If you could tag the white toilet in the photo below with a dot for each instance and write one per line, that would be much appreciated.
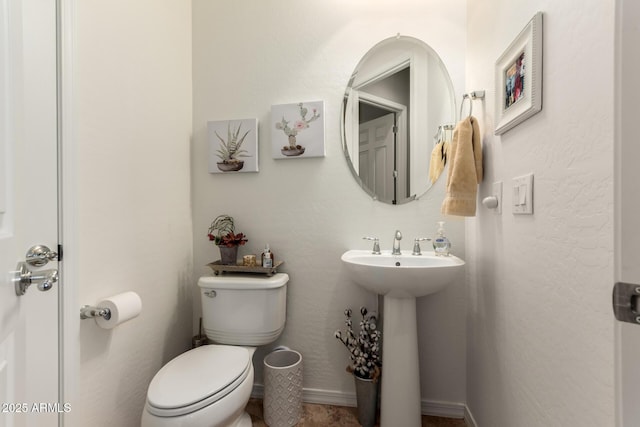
(211, 385)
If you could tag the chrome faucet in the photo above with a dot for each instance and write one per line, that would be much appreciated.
(416, 245)
(376, 245)
(396, 243)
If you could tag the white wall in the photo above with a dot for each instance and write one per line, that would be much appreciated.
(129, 197)
(540, 349)
(249, 56)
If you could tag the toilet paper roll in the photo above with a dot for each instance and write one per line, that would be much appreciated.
(123, 307)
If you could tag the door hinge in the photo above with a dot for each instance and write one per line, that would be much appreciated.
(395, 129)
(625, 302)
(59, 253)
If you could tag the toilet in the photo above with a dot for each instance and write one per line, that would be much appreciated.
(211, 385)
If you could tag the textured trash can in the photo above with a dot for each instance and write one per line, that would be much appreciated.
(282, 404)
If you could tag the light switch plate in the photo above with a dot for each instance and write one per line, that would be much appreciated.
(522, 202)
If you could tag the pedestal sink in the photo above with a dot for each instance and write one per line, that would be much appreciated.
(400, 279)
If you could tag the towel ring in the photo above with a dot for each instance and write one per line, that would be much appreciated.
(471, 96)
(466, 96)
(438, 135)
(441, 133)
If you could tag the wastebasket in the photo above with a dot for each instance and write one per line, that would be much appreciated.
(282, 403)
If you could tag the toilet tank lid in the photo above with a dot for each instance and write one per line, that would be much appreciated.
(244, 281)
(196, 375)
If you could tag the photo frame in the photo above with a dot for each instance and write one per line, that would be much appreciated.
(519, 78)
(233, 145)
(297, 130)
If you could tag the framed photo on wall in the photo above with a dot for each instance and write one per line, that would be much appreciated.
(519, 78)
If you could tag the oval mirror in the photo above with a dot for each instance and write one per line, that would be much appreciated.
(398, 101)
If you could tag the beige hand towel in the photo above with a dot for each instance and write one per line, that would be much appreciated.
(465, 169)
(438, 160)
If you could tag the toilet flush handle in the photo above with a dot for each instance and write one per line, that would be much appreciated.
(210, 293)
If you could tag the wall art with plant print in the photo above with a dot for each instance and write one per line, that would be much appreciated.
(233, 145)
(297, 130)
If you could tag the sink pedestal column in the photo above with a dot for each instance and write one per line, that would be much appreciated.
(400, 401)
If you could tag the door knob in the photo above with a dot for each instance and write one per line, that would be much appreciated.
(23, 278)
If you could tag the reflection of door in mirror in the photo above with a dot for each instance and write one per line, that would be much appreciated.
(396, 170)
(376, 154)
(366, 108)
(381, 96)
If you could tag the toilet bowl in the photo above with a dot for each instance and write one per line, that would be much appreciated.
(204, 387)
(210, 386)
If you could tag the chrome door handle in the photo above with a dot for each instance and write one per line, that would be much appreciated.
(23, 278)
(40, 255)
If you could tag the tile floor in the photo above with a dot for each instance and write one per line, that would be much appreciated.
(328, 416)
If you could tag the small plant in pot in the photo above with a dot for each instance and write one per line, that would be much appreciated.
(222, 233)
(365, 362)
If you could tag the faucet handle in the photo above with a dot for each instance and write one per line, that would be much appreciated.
(416, 245)
(376, 244)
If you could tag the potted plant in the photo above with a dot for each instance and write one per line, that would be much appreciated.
(231, 149)
(365, 362)
(222, 233)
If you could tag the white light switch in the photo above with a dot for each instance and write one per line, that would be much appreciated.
(522, 192)
(523, 195)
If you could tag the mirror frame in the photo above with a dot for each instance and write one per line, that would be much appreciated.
(417, 128)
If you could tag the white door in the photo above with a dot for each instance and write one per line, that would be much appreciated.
(627, 208)
(377, 156)
(28, 213)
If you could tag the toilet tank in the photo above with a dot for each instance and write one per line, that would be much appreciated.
(243, 309)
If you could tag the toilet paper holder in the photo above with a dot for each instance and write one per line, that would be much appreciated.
(114, 310)
(90, 312)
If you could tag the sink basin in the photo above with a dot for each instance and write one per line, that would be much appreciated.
(400, 279)
(401, 276)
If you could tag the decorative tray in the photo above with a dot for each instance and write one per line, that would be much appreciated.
(219, 268)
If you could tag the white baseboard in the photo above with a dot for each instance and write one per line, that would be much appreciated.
(443, 409)
(338, 398)
(468, 417)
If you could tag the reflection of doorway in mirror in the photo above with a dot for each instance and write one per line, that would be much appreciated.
(397, 170)
(376, 153)
(387, 92)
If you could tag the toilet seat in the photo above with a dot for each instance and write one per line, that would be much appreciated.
(197, 378)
